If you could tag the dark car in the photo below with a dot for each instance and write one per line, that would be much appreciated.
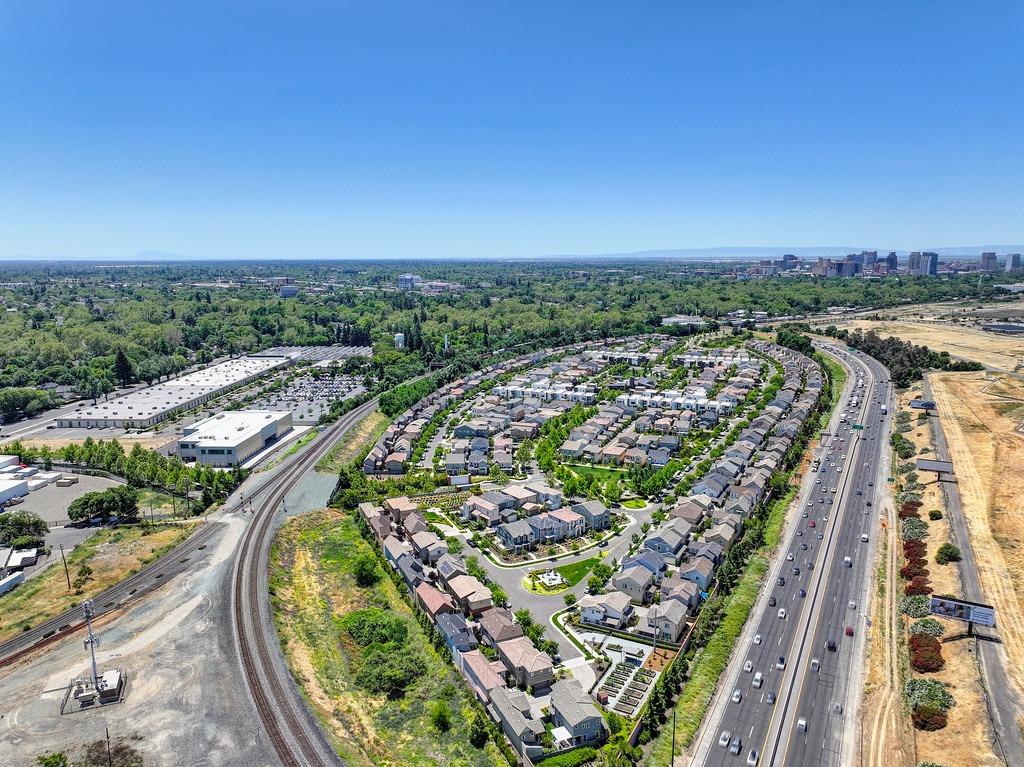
(802, 593)
(831, 645)
(781, 581)
(771, 601)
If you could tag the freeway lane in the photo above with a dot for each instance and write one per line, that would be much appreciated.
(807, 552)
(826, 698)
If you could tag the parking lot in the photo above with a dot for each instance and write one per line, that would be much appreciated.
(51, 503)
(309, 396)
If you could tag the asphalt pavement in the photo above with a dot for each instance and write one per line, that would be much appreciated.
(796, 615)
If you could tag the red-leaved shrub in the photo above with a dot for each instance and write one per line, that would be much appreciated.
(929, 718)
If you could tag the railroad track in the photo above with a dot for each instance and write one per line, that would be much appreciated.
(132, 588)
(295, 734)
(117, 596)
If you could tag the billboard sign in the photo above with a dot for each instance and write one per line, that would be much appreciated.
(961, 610)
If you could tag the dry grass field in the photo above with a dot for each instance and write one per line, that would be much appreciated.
(990, 349)
(982, 415)
(968, 738)
(105, 558)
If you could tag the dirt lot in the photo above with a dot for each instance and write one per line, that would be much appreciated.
(968, 738)
(990, 349)
(981, 416)
(148, 440)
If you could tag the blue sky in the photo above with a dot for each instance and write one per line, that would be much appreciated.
(474, 130)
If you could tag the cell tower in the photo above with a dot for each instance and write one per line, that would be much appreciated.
(91, 641)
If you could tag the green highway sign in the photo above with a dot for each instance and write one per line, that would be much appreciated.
(858, 427)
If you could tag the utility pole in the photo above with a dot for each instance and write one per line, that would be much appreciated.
(66, 573)
(110, 762)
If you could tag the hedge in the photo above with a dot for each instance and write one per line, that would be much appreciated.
(570, 758)
(928, 692)
(915, 606)
(925, 653)
(929, 719)
(928, 626)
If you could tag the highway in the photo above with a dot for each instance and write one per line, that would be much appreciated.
(806, 601)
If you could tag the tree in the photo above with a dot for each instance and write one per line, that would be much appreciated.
(478, 733)
(441, 715)
(123, 370)
(947, 553)
(23, 528)
(455, 546)
(365, 569)
(569, 599)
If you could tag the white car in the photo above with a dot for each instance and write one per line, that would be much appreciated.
(724, 738)
(782, 613)
(748, 666)
(757, 639)
(789, 557)
(852, 605)
(737, 696)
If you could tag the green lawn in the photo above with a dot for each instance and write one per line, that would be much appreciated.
(634, 503)
(577, 571)
(601, 472)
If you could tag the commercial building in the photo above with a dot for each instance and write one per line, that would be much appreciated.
(1012, 262)
(146, 407)
(232, 437)
(988, 261)
(408, 281)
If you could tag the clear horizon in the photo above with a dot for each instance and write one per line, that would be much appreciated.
(471, 131)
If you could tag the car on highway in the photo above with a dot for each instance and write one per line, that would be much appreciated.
(815, 665)
(758, 680)
(780, 664)
(737, 695)
(849, 631)
(830, 645)
(748, 666)
(852, 605)
(771, 601)
(812, 524)
(752, 758)
(757, 639)
(724, 738)
(799, 532)
(736, 745)
(801, 593)
(789, 557)
(782, 613)
(820, 536)
(803, 546)
(796, 571)
(810, 565)
(770, 698)
(801, 724)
